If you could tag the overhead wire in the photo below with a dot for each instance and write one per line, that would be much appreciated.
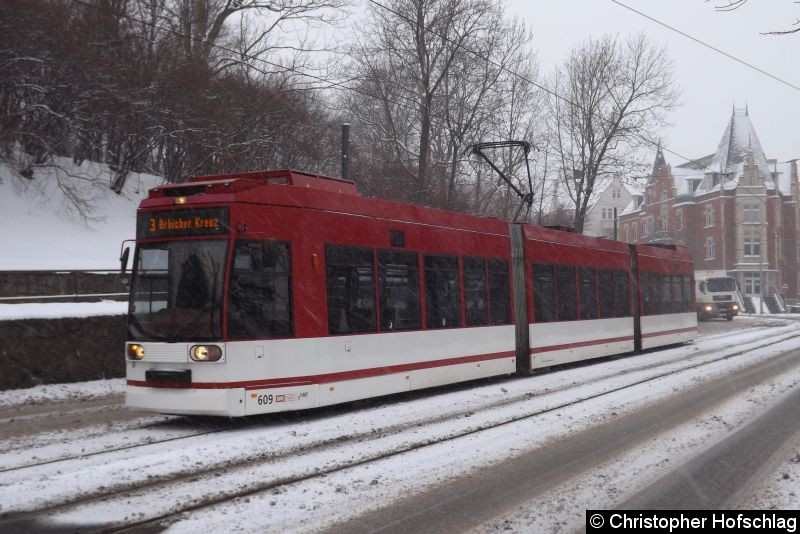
(709, 46)
(539, 86)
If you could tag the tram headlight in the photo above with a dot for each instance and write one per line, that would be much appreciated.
(205, 353)
(735, 307)
(135, 351)
(709, 308)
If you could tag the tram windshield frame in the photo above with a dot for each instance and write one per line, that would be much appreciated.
(177, 290)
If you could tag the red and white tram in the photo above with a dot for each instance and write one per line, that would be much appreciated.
(274, 291)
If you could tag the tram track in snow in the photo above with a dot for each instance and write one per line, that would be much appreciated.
(380, 443)
(128, 431)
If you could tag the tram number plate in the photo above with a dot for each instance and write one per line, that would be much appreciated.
(277, 398)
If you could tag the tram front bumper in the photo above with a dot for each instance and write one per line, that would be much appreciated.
(186, 401)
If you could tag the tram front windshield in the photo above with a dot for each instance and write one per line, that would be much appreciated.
(177, 291)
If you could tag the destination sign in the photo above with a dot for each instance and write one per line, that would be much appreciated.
(187, 222)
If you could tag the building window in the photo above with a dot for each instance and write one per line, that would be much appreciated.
(615, 193)
(752, 284)
(663, 223)
(635, 228)
(752, 213)
(752, 244)
(648, 227)
(709, 215)
(679, 219)
(711, 248)
(608, 214)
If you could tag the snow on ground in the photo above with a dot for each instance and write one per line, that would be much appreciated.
(622, 477)
(319, 502)
(62, 392)
(781, 489)
(42, 230)
(61, 309)
(316, 502)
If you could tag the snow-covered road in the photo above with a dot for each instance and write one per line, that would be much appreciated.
(313, 470)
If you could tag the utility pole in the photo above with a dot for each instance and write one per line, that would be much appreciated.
(345, 168)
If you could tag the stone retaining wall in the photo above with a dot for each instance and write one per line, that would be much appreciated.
(52, 351)
(36, 283)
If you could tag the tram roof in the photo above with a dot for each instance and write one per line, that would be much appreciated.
(326, 193)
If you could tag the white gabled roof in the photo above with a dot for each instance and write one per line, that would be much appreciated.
(739, 138)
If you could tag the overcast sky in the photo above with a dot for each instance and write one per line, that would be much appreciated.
(711, 83)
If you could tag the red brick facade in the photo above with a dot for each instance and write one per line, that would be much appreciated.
(742, 220)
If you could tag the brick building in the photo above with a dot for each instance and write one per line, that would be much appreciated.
(735, 210)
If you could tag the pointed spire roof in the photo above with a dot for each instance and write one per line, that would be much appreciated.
(739, 138)
(657, 164)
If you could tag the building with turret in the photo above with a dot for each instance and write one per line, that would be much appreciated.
(735, 209)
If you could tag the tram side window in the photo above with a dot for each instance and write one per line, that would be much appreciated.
(644, 290)
(677, 298)
(399, 290)
(544, 293)
(350, 278)
(666, 293)
(567, 298)
(499, 300)
(622, 294)
(687, 293)
(588, 303)
(477, 309)
(605, 281)
(655, 303)
(261, 290)
(442, 292)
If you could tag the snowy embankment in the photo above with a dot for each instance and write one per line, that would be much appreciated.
(62, 309)
(43, 229)
(54, 393)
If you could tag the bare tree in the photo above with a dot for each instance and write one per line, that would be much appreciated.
(609, 99)
(732, 5)
(518, 117)
(416, 43)
(436, 76)
(479, 91)
(200, 25)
